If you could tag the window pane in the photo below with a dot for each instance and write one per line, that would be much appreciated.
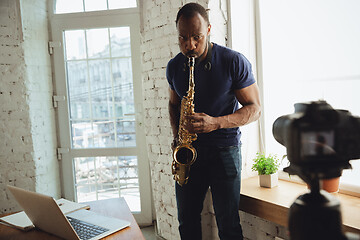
(101, 88)
(85, 182)
(123, 87)
(69, 6)
(82, 134)
(95, 5)
(98, 43)
(104, 133)
(78, 89)
(73, 6)
(75, 44)
(108, 177)
(116, 4)
(125, 130)
(120, 42)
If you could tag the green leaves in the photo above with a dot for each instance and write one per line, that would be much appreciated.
(265, 165)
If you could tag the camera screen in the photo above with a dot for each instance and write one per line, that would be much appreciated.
(317, 143)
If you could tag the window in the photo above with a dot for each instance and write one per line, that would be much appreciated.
(97, 73)
(73, 6)
(309, 51)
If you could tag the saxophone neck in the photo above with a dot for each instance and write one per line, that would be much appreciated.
(191, 76)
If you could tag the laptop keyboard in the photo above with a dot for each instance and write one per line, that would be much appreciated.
(85, 230)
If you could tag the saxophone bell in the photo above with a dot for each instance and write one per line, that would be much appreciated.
(184, 156)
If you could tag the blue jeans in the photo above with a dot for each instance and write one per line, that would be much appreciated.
(220, 169)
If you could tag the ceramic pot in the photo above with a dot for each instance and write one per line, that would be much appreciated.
(268, 181)
(330, 185)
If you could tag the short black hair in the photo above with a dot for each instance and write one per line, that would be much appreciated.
(189, 10)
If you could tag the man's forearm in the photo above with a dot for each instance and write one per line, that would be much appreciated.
(241, 117)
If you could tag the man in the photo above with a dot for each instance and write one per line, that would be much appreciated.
(223, 79)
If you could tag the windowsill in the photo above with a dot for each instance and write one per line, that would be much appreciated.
(273, 204)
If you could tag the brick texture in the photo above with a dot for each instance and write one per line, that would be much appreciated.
(39, 90)
(27, 142)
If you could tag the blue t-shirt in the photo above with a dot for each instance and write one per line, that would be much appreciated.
(214, 88)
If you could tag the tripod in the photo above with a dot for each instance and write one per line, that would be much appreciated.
(315, 215)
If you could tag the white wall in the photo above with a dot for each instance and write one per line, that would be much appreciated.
(40, 91)
(27, 127)
(16, 140)
(218, 17)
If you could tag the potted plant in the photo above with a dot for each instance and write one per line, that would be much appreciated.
(330, 185)
(267, 168)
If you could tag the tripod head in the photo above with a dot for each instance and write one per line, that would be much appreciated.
(315, 215)
(320, 141)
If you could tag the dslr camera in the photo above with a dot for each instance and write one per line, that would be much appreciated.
(320, 141)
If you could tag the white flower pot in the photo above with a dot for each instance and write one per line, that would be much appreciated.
(268, 181)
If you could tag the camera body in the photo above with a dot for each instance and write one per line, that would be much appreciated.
(319, 139)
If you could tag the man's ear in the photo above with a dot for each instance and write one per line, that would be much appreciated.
(208, 30)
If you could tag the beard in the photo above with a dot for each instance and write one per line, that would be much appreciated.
(196, 54)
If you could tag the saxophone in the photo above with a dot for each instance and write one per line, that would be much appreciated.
(184, 154)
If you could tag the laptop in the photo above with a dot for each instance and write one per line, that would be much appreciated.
(46, 215)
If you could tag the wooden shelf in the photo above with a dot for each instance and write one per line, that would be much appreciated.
(273, 203)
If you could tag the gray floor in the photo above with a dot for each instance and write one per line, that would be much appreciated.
(149, 233)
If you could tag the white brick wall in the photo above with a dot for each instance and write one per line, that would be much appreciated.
(218, 20)
(15, 140)
(40, 91)
(255, 228)
(27, 142)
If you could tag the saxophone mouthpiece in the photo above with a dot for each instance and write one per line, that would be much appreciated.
(191, 61)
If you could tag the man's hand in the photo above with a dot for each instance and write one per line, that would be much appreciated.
(201, 123)
(249, 112)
